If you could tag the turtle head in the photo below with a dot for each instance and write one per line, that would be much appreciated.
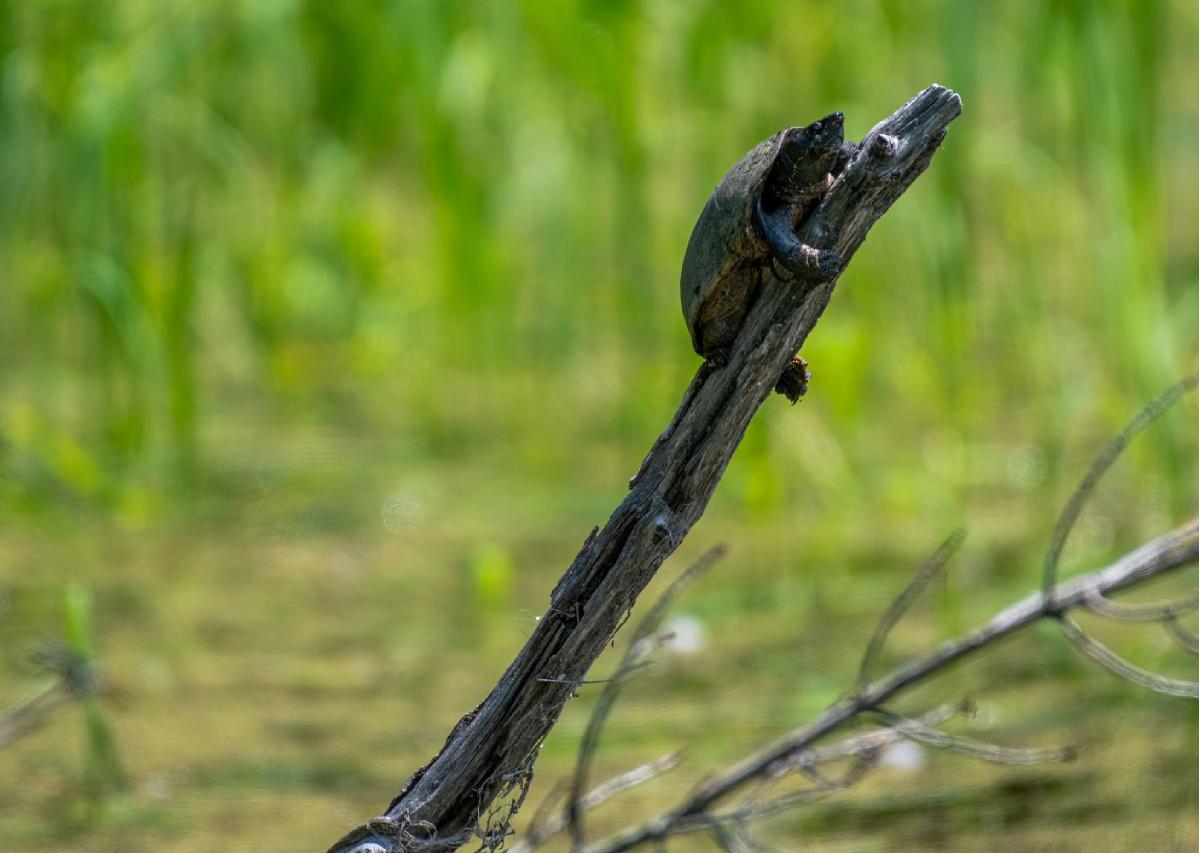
(823, 134)
(805, 159)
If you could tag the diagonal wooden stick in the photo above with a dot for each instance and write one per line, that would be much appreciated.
(490, 752)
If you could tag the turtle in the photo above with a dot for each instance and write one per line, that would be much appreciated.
(748, 227)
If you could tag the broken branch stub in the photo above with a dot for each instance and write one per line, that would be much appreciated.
(493, 747)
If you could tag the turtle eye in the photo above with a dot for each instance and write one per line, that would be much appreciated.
(815, 127)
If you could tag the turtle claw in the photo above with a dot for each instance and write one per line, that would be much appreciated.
(829, 262)
(718, 357)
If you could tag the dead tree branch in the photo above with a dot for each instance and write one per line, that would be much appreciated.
(1053, 602)
(1172, 550)
(491, 750)
(75, 679)
(796, 753)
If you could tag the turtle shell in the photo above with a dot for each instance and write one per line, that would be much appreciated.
(725, 256)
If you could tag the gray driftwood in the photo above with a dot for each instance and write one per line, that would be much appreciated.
(1170, 551)
(490, 752)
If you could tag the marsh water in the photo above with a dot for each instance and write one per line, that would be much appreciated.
(328, 331)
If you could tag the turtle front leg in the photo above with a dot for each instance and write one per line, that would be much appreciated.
(809, 263)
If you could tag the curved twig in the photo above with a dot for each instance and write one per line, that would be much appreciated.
(978, 749)
(926, 573)
(546, 824)
(1096, 651)
(872, 741)
(1187, 640)
(1070, 514)
(1141, 613)
(632, 660)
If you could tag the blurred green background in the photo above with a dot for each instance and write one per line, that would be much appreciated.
(328, 329)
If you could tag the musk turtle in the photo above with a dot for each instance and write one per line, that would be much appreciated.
(749, 226)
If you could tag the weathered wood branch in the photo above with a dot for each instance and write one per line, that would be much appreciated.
(78, 679)
(1167, 552)
(491, 750)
